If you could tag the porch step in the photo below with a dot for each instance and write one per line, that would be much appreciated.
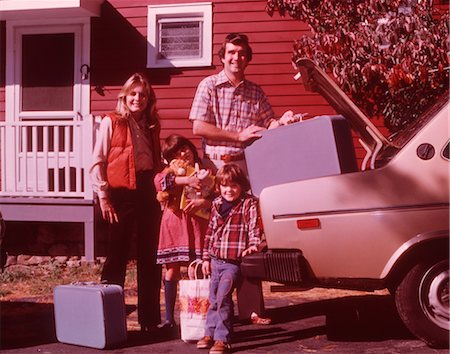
(53, 210)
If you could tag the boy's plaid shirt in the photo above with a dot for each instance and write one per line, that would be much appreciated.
(227, 239)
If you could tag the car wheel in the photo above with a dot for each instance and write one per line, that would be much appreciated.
(422, 300)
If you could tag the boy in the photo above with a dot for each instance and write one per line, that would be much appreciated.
(233, 232)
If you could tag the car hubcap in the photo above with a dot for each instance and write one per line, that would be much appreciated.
(434, 294)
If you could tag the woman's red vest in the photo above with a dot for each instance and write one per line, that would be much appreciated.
(120, 168)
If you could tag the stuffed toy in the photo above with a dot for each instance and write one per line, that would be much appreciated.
(207, 183)
(177, 167)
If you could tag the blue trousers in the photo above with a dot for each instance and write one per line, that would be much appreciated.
(219, 319)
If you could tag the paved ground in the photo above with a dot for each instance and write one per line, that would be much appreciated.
(318, 321)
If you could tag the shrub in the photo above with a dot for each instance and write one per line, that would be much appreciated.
(389, 56)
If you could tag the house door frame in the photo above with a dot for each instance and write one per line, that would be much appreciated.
(15, 30)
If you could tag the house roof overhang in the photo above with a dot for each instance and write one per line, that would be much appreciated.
(31, 9)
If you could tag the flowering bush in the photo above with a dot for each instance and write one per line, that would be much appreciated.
(389, 56)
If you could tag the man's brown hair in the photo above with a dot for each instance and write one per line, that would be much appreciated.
(236, 39)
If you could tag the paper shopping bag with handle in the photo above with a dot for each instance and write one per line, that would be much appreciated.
(194, 304)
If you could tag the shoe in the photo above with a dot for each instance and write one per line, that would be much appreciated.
(260, 320)
(205, 343)
(149, 329)
(220, 347)
(166, 325)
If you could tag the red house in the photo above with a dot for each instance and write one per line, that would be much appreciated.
(62, 64)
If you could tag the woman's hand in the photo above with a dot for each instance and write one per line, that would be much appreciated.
(206, 268)
(108, 212)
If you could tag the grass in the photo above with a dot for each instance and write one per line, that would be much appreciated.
(21, 281)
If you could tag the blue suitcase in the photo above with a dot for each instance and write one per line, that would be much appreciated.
(90, 315)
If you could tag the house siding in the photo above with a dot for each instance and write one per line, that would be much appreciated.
(271, 39)
(119, 48)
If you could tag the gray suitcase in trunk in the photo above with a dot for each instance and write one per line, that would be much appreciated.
(317, 147)
(91, 315)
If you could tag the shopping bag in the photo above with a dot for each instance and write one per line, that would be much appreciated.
(194, 305)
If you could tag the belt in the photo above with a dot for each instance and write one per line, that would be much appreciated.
(223, 261)
(226, 157)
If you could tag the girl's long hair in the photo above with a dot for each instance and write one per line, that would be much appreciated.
(175, 142)
(150, 112)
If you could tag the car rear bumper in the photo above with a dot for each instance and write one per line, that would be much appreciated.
(281, 266)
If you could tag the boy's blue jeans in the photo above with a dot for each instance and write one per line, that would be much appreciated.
(219, 319)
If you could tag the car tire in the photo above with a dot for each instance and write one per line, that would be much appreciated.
(422, 301)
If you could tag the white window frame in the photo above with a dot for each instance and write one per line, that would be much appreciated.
(181, 12)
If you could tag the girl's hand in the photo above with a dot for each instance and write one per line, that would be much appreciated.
(206, 268)
(196, 204)
(250, 250)
(191, 181)
(194, 182)
(108, 212)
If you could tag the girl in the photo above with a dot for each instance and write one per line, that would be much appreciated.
(182, 230)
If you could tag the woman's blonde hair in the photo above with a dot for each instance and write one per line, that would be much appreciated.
(138, 79)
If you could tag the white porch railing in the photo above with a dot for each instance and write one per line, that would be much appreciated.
(47, 158)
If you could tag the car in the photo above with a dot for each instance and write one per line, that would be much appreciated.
(383, 226)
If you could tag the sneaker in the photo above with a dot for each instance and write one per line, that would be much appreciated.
(166, 325)
(220, 347)
(260, 320)
(205, 343)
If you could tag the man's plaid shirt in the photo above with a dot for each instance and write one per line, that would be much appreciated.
(227, 238)
(230, 108)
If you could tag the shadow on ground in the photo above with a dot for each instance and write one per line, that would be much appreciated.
(350, 319)
(358, 318)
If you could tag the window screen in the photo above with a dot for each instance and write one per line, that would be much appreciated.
(180, 39)
(47, 72)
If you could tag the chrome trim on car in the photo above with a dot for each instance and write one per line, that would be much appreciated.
(361, 210)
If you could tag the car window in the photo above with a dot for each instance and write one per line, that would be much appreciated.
(400, 138)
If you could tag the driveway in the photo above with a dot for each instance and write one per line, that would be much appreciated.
(315, 321)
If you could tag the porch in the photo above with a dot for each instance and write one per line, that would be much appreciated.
(44, 173)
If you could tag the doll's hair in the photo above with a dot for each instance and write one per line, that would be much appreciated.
(173, 144)
(232, 173)
(236, 39)
(138, 79)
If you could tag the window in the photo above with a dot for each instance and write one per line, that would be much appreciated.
(47, 72)
(179, 35)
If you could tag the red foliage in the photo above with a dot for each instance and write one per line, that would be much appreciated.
(390, 56)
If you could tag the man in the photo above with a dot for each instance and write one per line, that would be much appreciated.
(229, 112)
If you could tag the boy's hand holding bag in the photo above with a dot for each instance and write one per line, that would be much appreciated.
(194, 304)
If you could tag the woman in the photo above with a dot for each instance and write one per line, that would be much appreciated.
(125, 159)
